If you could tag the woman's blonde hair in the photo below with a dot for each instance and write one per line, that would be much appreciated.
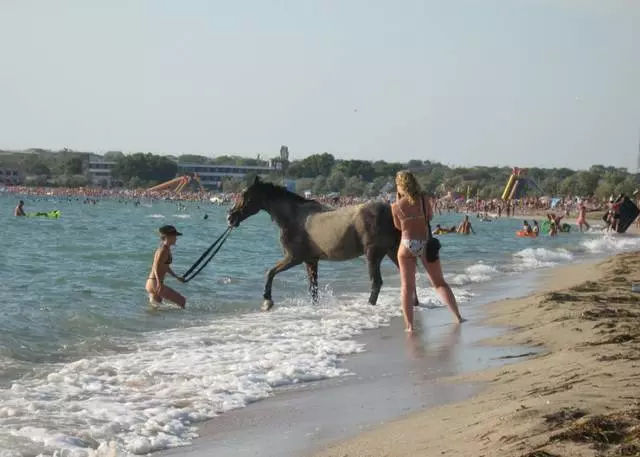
(408, 182)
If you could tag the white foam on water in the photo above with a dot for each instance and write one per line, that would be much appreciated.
(182, 216)
(156, 216)
(531, 258)
(474, 274)
(611, 243)
(154, 397)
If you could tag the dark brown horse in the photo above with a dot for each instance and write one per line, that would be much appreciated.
(310, 231)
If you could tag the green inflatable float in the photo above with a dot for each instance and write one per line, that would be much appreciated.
(55, 214)
(545, 226)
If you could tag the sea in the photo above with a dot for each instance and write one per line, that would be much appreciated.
(87, 366)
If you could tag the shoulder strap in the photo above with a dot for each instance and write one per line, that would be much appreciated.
(404, 216)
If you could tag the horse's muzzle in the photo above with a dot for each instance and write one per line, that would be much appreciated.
(233, 220)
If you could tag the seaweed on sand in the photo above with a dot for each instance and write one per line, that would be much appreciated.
(540, 454)
(587, 286)
(560, 297)
(604, 430)
(559, 418)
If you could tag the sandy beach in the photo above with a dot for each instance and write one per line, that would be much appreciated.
(578, 397)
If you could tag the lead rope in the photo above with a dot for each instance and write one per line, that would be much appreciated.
(211, 252)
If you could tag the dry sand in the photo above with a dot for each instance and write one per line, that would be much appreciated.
(579, 397)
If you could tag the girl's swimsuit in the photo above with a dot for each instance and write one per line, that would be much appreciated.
(167, 262)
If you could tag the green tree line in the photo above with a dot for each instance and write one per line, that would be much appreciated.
(324, 173)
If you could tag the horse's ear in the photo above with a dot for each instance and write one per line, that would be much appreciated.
(256, 180)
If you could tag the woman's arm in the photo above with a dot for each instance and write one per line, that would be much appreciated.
(170, 271)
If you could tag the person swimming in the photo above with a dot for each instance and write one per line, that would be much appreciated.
(439, 230)
(536, 228)
(161, 266)
(19, 211)
(527, 228)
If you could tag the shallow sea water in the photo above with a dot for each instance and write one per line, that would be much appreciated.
(85, 362)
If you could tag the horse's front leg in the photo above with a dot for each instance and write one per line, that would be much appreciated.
(312, 274)
(281, 266)
(373, 261)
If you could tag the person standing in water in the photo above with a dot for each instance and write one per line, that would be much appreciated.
(465, 227)
(412, 212)
(582, 217)
(161, 266)
(19, 211)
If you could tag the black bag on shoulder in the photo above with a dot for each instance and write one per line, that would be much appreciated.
(432, 250)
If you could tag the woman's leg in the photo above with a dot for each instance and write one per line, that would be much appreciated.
(407, 265)
(150, 287)
(173, 296)
(434, 271)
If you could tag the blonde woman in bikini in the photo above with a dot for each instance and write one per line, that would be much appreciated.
(161, 266)
(412, 212)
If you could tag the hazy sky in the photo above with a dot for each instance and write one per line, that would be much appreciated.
(511, 82)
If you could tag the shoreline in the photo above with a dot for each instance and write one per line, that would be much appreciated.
(394, 376)
(577, 397)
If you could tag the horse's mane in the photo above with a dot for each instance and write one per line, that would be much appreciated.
(276, 192)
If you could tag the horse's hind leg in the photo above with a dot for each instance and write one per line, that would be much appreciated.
(393, 255)
(374, 260)
(281, 266)
(312, 273)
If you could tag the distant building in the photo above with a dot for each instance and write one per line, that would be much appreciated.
(10, 176)
(211, 176)
(99, 170)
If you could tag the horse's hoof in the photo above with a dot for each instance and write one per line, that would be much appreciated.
(267, 305)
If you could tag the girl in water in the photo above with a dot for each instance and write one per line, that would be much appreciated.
(161, 266)
(582, 217)
(412, 212)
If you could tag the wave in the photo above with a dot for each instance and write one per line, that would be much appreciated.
(611, 243)
(156, 216)
(474, 274)
(531, 258)
(153, 398)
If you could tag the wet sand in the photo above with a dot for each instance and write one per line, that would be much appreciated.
(579, 397)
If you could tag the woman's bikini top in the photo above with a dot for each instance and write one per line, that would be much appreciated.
(421, 216)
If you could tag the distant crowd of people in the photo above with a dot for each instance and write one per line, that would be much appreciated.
(528, 206)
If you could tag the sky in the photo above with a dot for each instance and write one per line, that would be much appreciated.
(464, 82)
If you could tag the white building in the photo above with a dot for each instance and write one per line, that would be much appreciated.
(99, 170)
(211, 176)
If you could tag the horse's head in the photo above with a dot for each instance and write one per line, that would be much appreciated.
(248, 204)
